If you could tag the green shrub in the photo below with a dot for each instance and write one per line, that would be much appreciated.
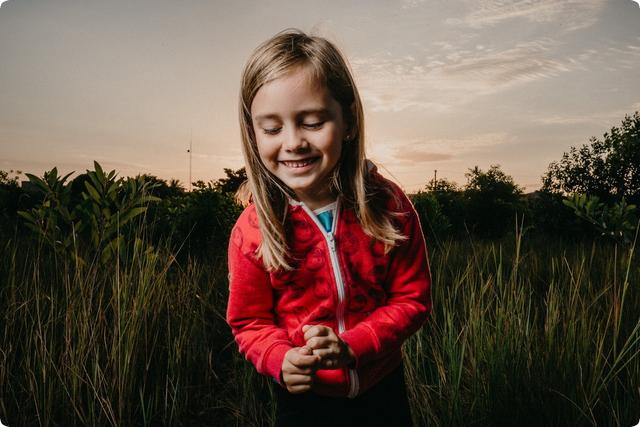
(100, 221)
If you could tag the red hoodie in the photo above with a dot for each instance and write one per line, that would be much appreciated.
(342, 279)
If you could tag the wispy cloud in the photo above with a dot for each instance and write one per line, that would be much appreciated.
(524, 62)
(461, 145)
(453, 77)
(416, 155)
(629, 56)
(603, 117)
(410, 4)
(406, 160)
(471, 61)
(575, 14)
(411, 152)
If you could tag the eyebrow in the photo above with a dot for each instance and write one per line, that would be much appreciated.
(319, 111)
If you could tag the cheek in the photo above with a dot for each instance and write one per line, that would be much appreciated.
(266, 151)
(336, 146)
(330, 142)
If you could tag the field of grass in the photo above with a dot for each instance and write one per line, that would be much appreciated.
(530, 332)
(525, 331)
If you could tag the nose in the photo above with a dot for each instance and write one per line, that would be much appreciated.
(294, 140)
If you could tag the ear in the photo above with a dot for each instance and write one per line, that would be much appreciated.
(352, 109)
(350, 121)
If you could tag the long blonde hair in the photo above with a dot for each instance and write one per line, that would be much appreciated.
(272, 59)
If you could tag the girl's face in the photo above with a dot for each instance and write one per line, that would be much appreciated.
(299, 128)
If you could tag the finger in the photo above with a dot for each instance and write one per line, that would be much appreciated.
(297, 379)
(290, 369)
(303, 361)
(306, 350)
(320, 342)
(298, 389)
(325, 353)
(300, 356)
(316, 330)
(330, 363)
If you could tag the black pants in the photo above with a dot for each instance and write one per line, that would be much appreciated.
(385, 404)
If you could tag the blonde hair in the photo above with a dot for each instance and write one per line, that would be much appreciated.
(274, 58)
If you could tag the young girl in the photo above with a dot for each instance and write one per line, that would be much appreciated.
(328, 270)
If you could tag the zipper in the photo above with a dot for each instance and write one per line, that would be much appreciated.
(337, 273)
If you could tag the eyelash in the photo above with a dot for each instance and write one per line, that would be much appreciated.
(271, 131)
(313, 126)
(310, 126)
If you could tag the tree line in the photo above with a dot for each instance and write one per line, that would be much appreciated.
(591, 192)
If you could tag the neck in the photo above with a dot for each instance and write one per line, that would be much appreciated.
(316, 201)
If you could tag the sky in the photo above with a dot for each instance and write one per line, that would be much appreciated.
(446, 84)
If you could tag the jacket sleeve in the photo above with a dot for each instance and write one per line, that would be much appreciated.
(250, 314)
(408, 297)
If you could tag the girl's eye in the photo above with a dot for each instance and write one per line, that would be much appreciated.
(271, 131)
(313, 126)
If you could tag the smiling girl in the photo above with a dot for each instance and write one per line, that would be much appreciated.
(328, 270)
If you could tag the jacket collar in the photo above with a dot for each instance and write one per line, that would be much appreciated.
(296, 203)
(371, 168)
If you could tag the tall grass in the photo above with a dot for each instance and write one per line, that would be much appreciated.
(127, 343)
(529, 332)
(524, 331)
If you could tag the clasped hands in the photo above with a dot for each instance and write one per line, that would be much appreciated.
(323, 350)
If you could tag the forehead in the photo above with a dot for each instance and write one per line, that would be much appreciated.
(297, 89)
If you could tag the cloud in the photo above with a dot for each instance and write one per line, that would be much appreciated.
(416, 155)
(407, 152)
(574, 14)
(628, 56)
(410, 4)
(467, 144)
(524, 62)
(473, 58)
(605, 118)
(451, 77)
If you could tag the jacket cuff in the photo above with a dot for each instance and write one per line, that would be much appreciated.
(364, 343)
(273, 357)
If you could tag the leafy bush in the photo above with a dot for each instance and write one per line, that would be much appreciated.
(608, 168)
(492, 200)
(198, 223)
(97, 224)
(549, 216)
(452, 204)
(435, 224)
(618, 221)
(10, 195)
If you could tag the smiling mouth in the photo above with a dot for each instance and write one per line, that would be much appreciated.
(299, 163)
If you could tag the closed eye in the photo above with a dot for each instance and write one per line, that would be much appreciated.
(313, 126)
(271, 131)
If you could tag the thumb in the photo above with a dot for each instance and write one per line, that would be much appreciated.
(305, 328)
(306, 350)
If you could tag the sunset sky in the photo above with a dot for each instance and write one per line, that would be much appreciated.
(447, 84)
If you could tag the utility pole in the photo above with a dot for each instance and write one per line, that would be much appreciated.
(435, 178)
(189, 151)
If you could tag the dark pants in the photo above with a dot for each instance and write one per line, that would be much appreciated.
(385, 404)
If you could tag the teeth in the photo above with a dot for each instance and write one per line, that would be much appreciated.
(298, 164)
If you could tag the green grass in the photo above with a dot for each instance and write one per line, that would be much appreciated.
(116, 344)
(529, 332)
(524, 331)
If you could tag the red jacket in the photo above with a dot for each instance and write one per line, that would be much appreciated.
(342, 280)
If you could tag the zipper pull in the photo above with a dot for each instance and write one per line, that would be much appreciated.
(332, 242)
